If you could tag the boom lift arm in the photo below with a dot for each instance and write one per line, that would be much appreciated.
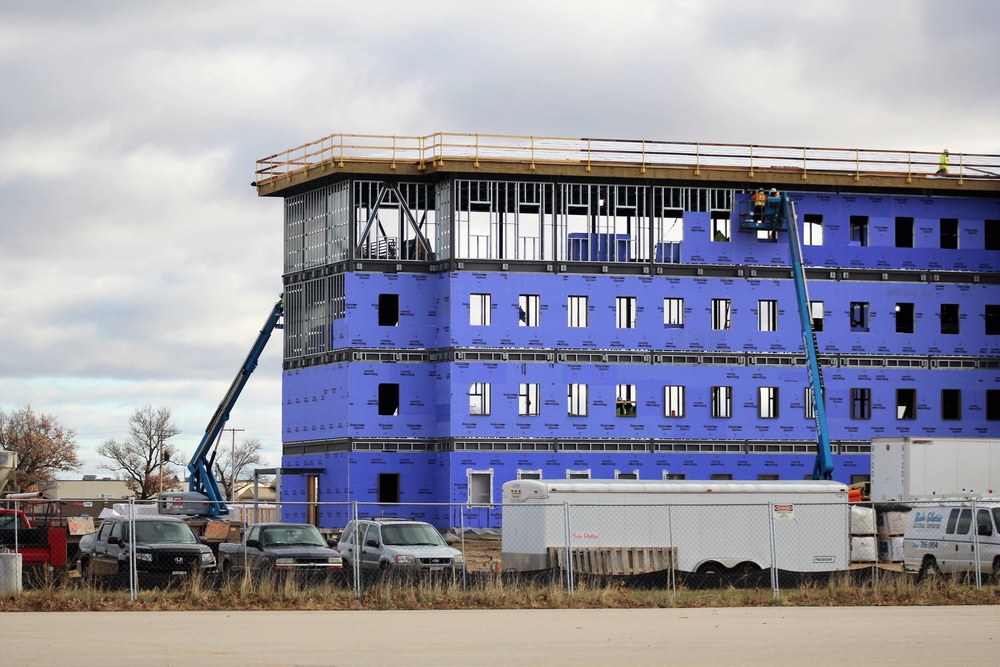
(202, 479)
(779, 215)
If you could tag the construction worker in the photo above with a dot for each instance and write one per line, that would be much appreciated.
(943, 164)
(759, 199)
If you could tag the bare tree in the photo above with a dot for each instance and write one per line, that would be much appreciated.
(43, 446)
(246, 453)
(145, 455)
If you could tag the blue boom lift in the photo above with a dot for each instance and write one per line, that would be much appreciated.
(778, 214)
(205, 498)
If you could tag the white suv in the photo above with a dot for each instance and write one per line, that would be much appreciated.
(397, 544)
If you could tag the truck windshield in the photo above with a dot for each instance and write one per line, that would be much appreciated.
(289, 535)
(152, 532)
(411, 535)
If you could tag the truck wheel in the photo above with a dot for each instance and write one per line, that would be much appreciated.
(929, 568)
(85, 573)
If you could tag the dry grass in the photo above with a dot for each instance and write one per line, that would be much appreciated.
(490, 592)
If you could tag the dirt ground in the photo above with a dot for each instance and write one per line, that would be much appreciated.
(482, 551)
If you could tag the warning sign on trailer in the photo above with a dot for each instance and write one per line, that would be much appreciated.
(784, 511)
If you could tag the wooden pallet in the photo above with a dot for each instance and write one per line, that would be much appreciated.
(615, 560)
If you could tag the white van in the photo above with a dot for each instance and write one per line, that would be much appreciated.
(943, 538)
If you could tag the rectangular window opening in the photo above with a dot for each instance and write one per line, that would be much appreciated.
(722, 402)
(904, 318)
(812, 229)
(528, 399)
(767, 315)
(859, 316)
(767, 404)
(904, 232)
(949, 233)
(722, 314)
(625, 316)
(479, 398)
(528, 310)
(577, 307)
(991, 234)
(861, 403)
(993, 404)
(674, 475)
(906, 404)
(625, 400)
(388, 487)
(388, 310)
(949, 318)
(480, 487)
(479, 310)
(388, 399)
(720, 228)
(673, 313)
(816, 310)
(673, 400)
(992, 316)
(718, 476)
(577, 400)
(859, 230)
(951, 404)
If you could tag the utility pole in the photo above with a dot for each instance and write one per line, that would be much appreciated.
(232, 457)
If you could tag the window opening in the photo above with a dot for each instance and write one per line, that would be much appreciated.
(626, 475)
(859, 230)
(720, 227)
(577, 306)
(906, 404)
(479, 398)
(904, 232)
(992, 316)
(991, 234)
(767, 315)
(984, 524)
(388, 310)
(578, 474)
(812, 229)
(479, 310)
(721, 476)
(625, 403)
(993, 404)
(673, 400)
(625, 312)
(722, 314)
(388, 487)
(768, 477)
(767, 404)
(949, 233)
(673, 313)
(949, 318)
(528, 310)
(388, 399)
(529, 474)
(816, 311)
(722, 402)
(480, 487)
(904, 318)
(810, 406)
(861, 403)
(577, 400)
(674, 475)
(951, 404)
(859, 316)
(528, 402)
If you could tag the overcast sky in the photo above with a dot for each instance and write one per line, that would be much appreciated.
(137, 264)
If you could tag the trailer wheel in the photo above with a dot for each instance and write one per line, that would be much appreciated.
(929, 568)
(711, 574)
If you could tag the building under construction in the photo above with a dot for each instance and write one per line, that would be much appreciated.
(462, 310)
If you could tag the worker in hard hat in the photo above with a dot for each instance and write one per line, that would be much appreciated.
(759, 199)
(943, 164)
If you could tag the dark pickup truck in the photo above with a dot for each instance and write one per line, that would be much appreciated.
(282, 548)
(165, 548)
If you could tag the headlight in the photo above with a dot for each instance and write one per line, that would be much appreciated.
(284, 561)
(140, 555)
(459, 558)
(207, 557)
(404, 559)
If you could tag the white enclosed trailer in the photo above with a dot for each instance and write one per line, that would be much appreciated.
(705, 526)
(905, 469)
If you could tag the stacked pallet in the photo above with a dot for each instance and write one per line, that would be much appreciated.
(863, 534)
(891, 524)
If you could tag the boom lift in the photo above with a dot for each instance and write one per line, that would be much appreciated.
(204, 497)
(779, 215)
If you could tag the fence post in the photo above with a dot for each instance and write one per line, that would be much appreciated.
(775, 591)
(133, 576)
(672, 572)
(975, 546)
(569, 550)
(875, 534)
(461, 523)
(356, 554)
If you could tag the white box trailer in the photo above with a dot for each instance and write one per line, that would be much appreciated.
(706, 526)
(904, 469)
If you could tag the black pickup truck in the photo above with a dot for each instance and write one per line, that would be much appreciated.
(291, 548)
(165, 548)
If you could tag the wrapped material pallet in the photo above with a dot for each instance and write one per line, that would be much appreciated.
(863, 520)
(891, 524)
(863, 550)
(890, 549)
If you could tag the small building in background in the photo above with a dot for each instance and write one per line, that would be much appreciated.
(91, 486)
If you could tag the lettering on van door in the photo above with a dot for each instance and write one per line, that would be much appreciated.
(927, 519)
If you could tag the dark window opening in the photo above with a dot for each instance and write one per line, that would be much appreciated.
(904, 232)
(768, 477)
(992, 320)
(949, 318)
(949, 233)
(388, 399)
(906, 404)
(904, 318)
(951, 404)
(859, 230)
(861, 403)
(388, 310)
(992, 234)
(859, 316)
(388, 487)
(674, 475)
(993, 404)
(721, 475)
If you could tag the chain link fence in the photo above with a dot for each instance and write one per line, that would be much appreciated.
(358, 546)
